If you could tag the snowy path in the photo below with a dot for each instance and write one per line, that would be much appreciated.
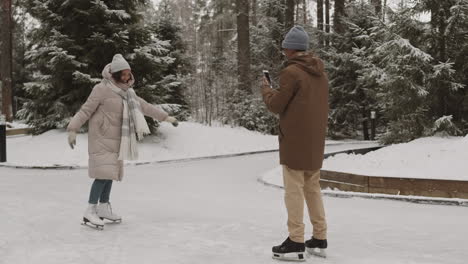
(210, 211)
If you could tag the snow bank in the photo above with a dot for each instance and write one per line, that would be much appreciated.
(15, 124)
(426, 158)
(431, 157)
(186, 141)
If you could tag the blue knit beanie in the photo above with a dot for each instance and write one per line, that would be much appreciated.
(296, 39)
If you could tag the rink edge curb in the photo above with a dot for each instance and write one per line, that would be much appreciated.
(376, 196)
(77, 167)
(351, 194)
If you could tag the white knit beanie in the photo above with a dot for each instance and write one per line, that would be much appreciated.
(119, 63)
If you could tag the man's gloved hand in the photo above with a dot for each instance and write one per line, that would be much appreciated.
(172, 120)
(72, 139)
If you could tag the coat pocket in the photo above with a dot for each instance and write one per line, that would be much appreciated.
(105, 125)
(280, 133)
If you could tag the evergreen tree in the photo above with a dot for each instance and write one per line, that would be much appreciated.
(74, 42)
(166, 27)
(350, 97)
(447, 42)
(394, 68)
(19, 50)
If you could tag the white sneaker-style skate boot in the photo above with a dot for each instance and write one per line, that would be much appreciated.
(91, 218)
(104, 211)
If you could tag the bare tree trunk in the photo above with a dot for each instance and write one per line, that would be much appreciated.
(320, 14)
(289, 14)
(296, 6)
(378, 7)
(304, 5)
(443, 12)
(365, 124)
(338, 25)
(6, 59)
(384, 11)
(327, 22)
(243, 45)
(219, 33)
(254, 12)
(320, 19)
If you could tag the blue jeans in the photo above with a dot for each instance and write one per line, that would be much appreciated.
(100, 191)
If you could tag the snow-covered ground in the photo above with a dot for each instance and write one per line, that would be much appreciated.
(428, 158)
(188, 140)
(14, 125)
(431, 157)
(209, 212)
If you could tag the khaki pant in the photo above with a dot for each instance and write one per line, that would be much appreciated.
(299, 185)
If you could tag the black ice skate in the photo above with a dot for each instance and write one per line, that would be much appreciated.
(289, 251)
(316, 247)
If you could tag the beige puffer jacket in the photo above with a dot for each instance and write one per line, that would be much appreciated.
(103, 109)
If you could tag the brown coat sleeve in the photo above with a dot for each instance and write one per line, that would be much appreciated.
(152, 111)
(86, 110)
(277, 100)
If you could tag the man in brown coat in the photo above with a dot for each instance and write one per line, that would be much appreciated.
(302, 104)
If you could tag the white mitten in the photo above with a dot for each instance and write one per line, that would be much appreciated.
(72, 139)
(172, 120)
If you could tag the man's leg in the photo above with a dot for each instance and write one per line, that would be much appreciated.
(294, 200)
(313, 196)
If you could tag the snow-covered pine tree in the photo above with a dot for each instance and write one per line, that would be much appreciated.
(444, 38)
(399, 71)
(351, 98)
(402, 72)
(19, 49)
(378, 66)
(266, 34)
(73, 43)
(173, 82)
(445, 127)
(448, 44)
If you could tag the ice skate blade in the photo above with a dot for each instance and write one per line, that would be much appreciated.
(97, 227)
(293, 256)
(319, 252)
(112, 221)
(87, 223)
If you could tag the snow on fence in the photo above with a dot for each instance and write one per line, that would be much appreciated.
(394, 186)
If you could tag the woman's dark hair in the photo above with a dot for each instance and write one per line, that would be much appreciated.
(118, 76)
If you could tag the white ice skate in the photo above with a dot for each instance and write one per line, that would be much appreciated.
(104, 211)
(91, 218)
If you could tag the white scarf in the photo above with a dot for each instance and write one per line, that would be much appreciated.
(134, 126)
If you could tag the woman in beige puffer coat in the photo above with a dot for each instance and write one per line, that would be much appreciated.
(115, 117)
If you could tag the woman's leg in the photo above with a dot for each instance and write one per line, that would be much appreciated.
(104, 208)
(96, 191)
(104, 198)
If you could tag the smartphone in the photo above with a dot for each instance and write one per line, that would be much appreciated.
(267, 76)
